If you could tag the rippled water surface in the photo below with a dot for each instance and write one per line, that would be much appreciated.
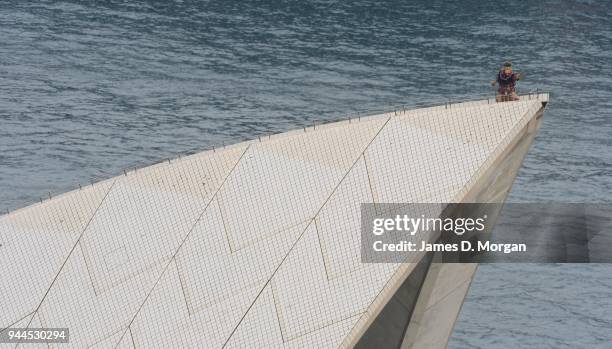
(89, 88)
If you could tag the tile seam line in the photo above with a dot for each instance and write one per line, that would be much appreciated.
(304, 231)
(358, 313)
(15, 322)
(132, 338)
(70, 254)
(100, 340)
(181, 245)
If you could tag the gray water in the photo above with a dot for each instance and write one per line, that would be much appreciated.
(90, 88)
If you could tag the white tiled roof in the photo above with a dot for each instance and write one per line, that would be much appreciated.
(253, 245)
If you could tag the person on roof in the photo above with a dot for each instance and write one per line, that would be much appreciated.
(506, 79)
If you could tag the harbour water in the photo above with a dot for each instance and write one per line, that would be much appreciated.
(89, 88)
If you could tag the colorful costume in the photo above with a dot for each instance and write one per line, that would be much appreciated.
(506, 82)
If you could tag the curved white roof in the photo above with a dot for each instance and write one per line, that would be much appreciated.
(253, 245)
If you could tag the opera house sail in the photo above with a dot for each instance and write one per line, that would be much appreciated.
(257, 244)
